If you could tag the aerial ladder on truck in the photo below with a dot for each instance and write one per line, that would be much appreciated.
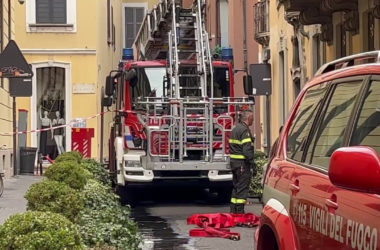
(185, 138)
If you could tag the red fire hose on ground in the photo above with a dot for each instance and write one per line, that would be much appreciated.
(215, 225)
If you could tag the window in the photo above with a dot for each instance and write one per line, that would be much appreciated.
(133, 19)
(331, 131)
(367, 130)
(51, 15)
(303, 120)
(51, 11)
(147, 83)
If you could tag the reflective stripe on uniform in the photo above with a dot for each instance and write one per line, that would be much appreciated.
(238, 201)
(246, 140)
(240, 157)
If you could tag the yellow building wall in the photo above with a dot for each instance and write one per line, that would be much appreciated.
(151, 3)
(6, 142)
(281, 33)
(85, 69)
(84, 37)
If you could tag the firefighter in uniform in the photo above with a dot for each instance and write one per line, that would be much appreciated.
(241, 161)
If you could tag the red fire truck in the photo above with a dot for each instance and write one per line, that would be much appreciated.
(175, 104)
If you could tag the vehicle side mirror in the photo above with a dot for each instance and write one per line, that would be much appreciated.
(247, 80)
(356, 168)
(129, 75)
(110, 87)
(107, 101)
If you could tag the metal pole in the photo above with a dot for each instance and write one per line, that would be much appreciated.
(101, 158)
(14, 138)
(245, 50)
(268, 125)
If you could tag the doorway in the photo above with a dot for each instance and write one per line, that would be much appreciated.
(51, 106)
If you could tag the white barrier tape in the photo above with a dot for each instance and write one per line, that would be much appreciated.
(70, 124)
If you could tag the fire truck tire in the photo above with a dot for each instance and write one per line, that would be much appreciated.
(126, 195)
(223, 195)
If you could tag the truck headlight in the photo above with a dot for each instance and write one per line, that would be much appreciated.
(132, 164)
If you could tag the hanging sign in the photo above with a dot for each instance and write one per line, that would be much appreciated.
(13, 63)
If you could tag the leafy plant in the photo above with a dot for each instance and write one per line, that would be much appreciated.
(69, 156)
(98, 172)
(53, 196)
(104, 222)
(255, 187)
(68, 172)
(39, 231)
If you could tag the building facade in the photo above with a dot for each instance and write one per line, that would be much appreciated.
(231, 24)
(300, 36)
(72, 46)
(7, 32)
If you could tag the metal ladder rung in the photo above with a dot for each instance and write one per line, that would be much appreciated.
(186, 26)
(188, 75)
(196, 148)
(194, 88)
(188, 39)
(187, 51)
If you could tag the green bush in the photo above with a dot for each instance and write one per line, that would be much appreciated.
(68, 172)
(255, 187)
(97, 170)
(39, 231)
(104, 222)
(53, 196)
(69, 156)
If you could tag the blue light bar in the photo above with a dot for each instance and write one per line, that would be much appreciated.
(127, 54)
(227, 54)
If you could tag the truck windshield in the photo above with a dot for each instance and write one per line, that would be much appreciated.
(149, 82)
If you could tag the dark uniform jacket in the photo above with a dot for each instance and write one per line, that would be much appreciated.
(241, 144)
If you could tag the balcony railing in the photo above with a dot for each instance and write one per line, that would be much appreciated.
(262, 22)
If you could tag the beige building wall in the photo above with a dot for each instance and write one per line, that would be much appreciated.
(313, 53)
(6, 142)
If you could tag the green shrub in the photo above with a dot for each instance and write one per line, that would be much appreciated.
(255, 186)
(109, 227)
(97, 196)
(104, 222)
(39, 231)
(97, 170)
(53, 196)
(70, 173)
(69, 156)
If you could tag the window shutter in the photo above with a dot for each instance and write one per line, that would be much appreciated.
(51, 11)
(133, 20)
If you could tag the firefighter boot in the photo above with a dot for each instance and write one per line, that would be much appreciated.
(240, 209)
(233, 208)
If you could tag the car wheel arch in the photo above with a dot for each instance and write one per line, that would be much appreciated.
(276, 218)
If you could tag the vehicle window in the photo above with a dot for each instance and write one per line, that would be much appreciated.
(367, 130)
(147, 83)
(303, 121)
(331, 130)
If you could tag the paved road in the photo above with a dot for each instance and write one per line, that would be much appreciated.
(162, 214)
(12, 201)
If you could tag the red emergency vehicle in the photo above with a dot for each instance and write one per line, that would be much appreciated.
(322, 187)
(175, 104)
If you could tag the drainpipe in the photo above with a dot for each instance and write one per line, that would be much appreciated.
(245, 50)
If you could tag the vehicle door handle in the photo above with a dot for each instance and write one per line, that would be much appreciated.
(331, 204)
(294, 187)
